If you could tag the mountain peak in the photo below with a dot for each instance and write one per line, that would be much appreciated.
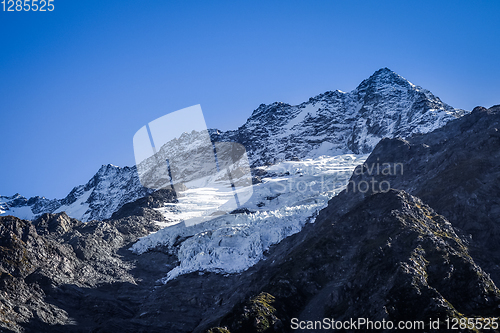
(385, 72)
(105, 167)
(384, 105)
(382, 78)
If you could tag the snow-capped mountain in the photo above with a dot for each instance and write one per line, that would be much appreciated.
(24, 208)
(301, 241)
(385, 256)
(336, 122)
(109, 189)
(332, 123)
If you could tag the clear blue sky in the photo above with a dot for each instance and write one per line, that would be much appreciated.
(78, 82)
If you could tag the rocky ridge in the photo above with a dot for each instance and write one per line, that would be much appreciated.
(384, 105)
(59, 274)
(390, 258)
(455, 169)
(108, 190)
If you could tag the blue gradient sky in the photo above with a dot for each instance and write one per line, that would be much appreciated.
(77, 83)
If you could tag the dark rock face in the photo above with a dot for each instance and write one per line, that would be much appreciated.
(144, 206)
(399, 254)
(136, 219)
(33, 266)
(454, 169)
(55, 224)
(390, 258)
(59, 274)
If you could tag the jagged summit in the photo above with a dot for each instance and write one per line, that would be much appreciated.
(384, 105)
(383, 72)
(385, 78)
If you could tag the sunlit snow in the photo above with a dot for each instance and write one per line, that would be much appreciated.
(78, 208)
(23, 212)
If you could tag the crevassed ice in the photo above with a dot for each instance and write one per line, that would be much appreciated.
(289, 198)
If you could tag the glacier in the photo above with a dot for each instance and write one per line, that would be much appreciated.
(290, 195)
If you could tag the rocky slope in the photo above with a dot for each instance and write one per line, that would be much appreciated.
(455, 169)
(58, 274)
(382, 255)
(390, 258)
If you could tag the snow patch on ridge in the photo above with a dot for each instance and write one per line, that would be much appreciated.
(15, 206)
(79, 208)
(24, 212)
